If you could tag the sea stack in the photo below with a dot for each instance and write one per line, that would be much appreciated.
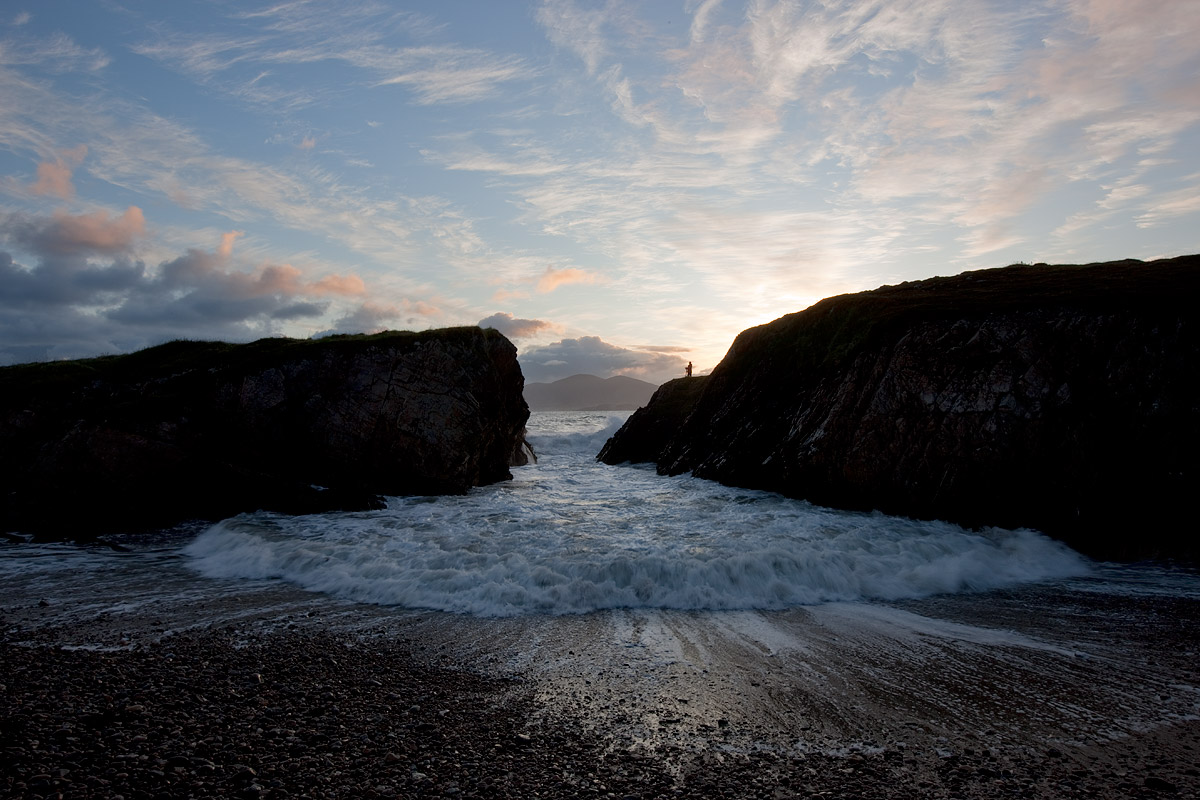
(1060, 398)
(204, 430)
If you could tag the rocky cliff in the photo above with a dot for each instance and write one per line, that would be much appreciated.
(1061, 398)
(205, 430)
(648, 430)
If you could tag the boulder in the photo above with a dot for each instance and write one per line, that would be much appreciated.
(1061, 398)
(204, 430)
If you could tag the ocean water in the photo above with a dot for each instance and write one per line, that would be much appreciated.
(570, 535)
(798, 627)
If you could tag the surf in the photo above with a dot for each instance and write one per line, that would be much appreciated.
(569, 535)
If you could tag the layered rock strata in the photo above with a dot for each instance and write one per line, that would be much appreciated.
(1061, 398)
(203, 430)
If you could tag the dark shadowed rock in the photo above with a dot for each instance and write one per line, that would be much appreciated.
(205, 429)
(649, 429)
(1061, 398)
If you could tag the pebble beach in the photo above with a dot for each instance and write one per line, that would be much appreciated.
(280, 694)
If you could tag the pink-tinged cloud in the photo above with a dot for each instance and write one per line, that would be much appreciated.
(54, 177)
(307, 143)
(418, 308)
(98, 232)
(505, 295)
(278, 279)
(339, 284)
(554, 278)
(514, 327)
(225, 249)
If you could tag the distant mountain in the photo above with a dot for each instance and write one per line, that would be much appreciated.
(589, 393)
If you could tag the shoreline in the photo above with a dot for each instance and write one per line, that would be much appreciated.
(1035, 692)
(302, 714)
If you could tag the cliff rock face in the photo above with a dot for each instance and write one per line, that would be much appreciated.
(648, 430)
(1059, 398)
(204, 430)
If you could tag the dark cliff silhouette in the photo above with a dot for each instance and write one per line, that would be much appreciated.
(203, 430)
(1061, 398)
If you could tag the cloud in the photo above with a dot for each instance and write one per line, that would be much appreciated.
(515, 328)
(554, 278)
(55, 53)
(360, 36)
(225, 248)
(373, 317)
(338, 284)
(87, 293)
(700, 17)
(64, 281)
(504, 295)
(135, 150)
(592, 356)
(65, 234)
(54, 178)
(1171, 205)
(970, 121)
(581, 31)
(457, 76)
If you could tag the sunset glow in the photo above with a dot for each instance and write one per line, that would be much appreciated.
(620, 187)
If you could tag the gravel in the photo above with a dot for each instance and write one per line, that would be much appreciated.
(223, 712)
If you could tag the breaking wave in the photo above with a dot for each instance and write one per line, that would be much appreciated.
(570, 535)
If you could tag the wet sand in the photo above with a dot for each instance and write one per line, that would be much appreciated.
(259, 690)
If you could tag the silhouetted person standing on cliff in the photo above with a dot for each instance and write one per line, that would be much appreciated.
(689, 369)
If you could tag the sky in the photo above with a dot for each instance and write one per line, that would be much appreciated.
(620, 186)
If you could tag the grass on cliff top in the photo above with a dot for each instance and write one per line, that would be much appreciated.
(837, 327)
(187, 356)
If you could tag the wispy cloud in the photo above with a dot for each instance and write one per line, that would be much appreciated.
(697, 167)
(580, 30)
(554, 278)
(55, 53)
(456, 76)
(968, 123)
(358, 37)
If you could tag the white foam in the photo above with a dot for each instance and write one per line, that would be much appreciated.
(570, 535)
(563, 433)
